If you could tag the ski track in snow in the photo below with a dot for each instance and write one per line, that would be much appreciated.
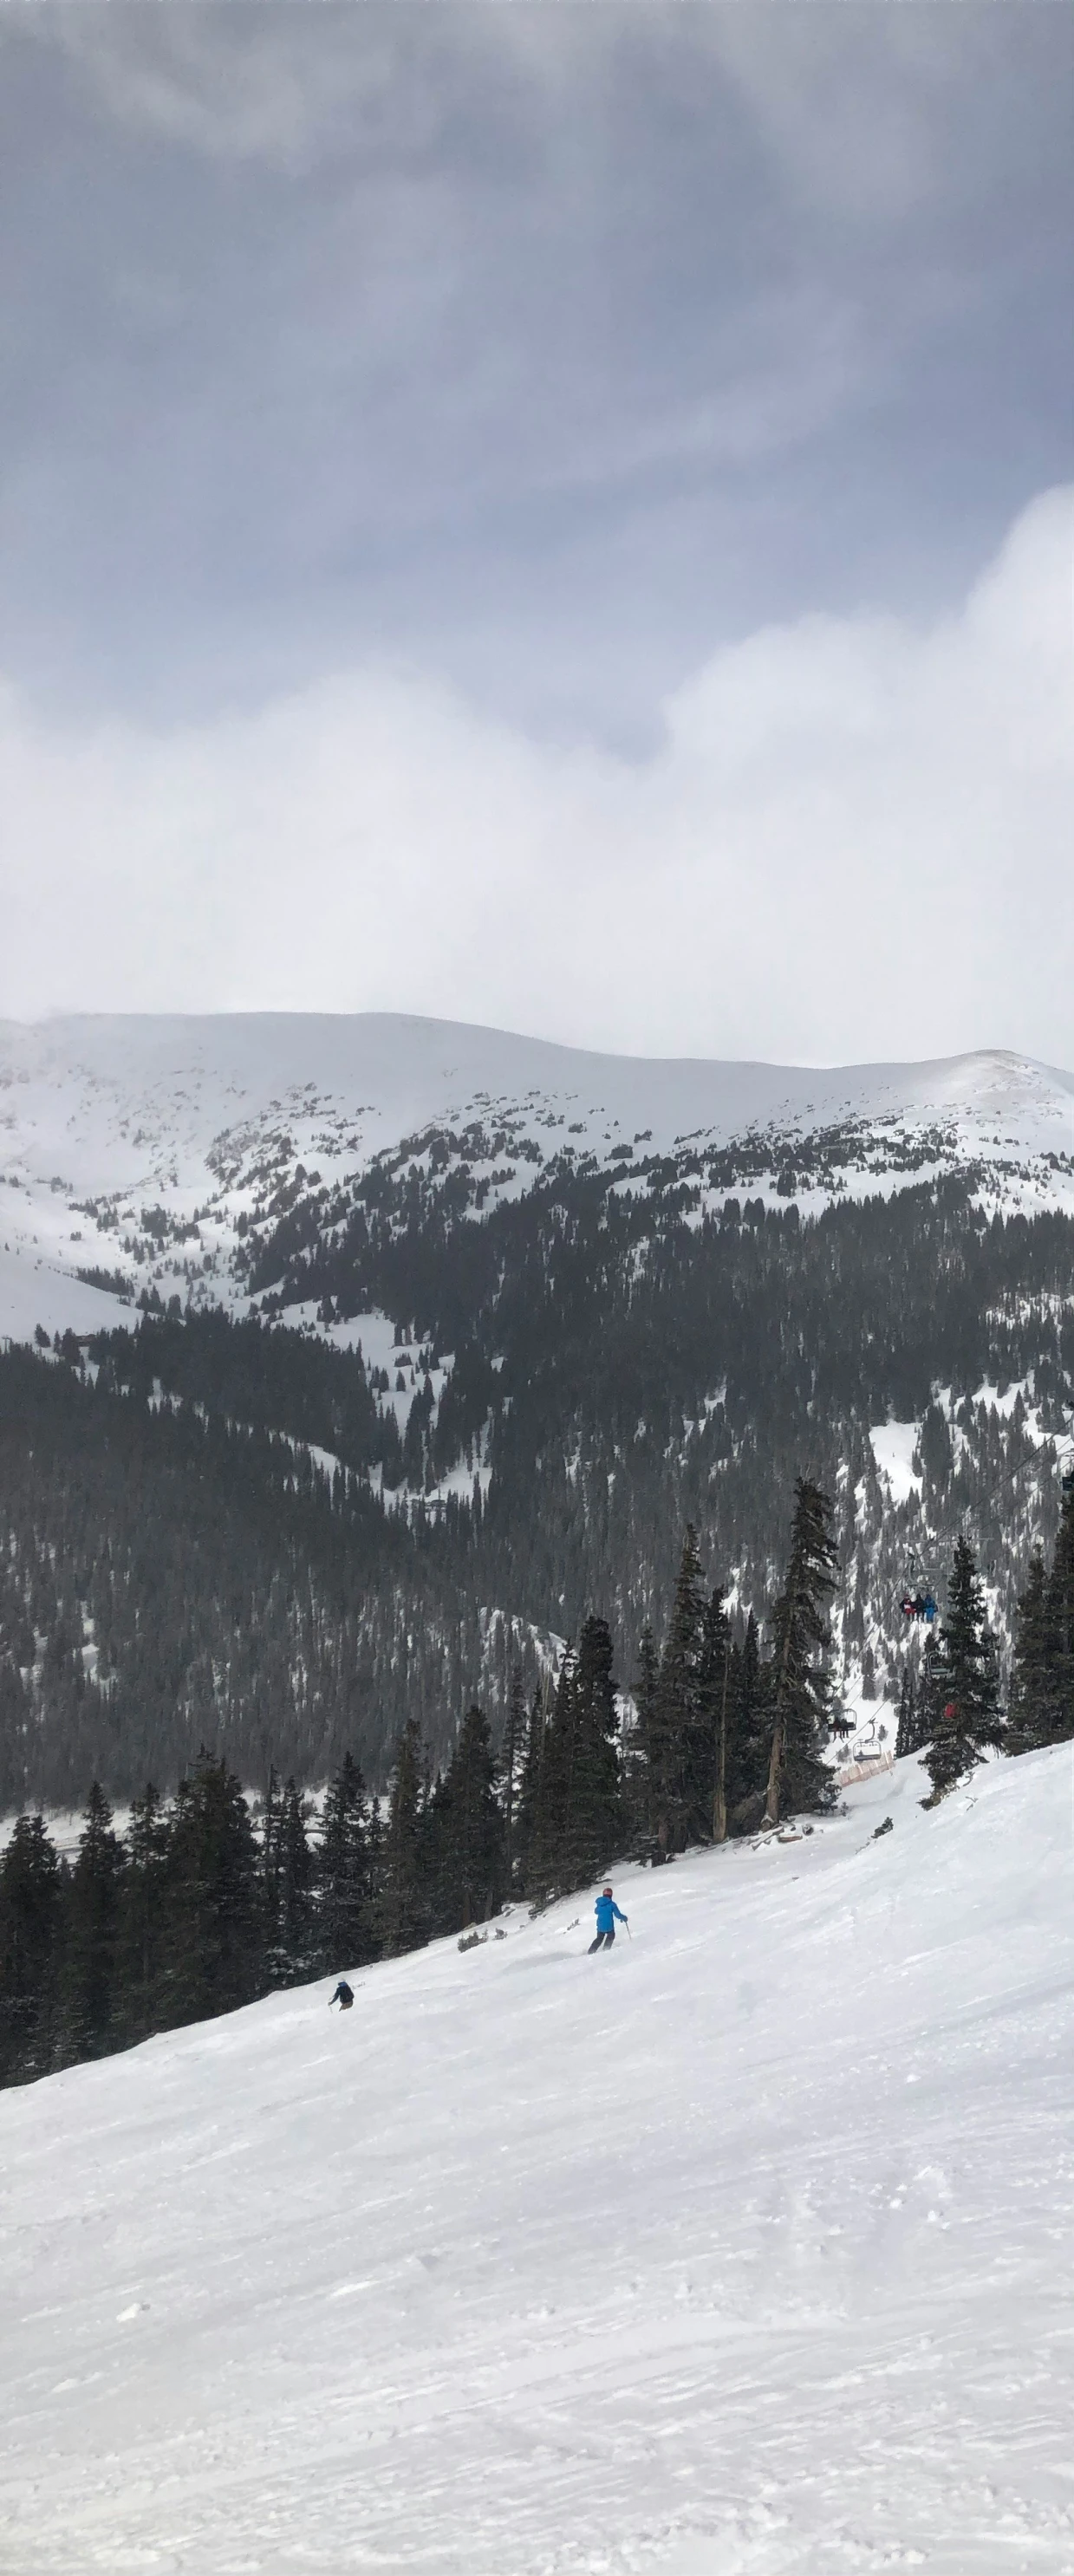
(741, 2252)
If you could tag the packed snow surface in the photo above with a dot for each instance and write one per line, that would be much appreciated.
(893, 1445)
(113, 1127)
(744, 2248)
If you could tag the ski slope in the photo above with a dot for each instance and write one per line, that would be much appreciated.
(109, 1126)
(746, 2248)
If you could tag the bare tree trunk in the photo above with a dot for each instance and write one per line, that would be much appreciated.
(719, 1811)
(771, 1804)
(775, 1767)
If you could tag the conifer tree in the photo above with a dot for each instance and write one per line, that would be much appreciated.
(748, 1736)
(142, 1914)
(1061, 1629)
(215, 1934)
(552, 1786)
(639, 1786)
(404, 1895)
(677, 1727)
(968, 1721)
(271, 1823)
(1042, 1678)
(906, 1731)
(294, 1955)
(466, 1832)
(532, 1830)
(800, 1689)
(88, 2017)
(929, 1694)
(347, 1932)
(31, 1889)
(1030, 1693)
(558, 1748)
(710, 1758)
(591, 1824)
(511, 1769)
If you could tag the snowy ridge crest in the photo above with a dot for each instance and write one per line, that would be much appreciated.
(161, 1155)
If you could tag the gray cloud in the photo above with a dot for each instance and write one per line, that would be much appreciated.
(485, 490)
(281, 91)
(854, 102)
(852, 842)
(546, 348)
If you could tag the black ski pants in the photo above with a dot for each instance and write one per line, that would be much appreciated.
(603, 1941)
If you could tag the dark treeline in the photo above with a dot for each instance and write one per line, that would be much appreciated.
(197, 1909)
(541, 1269)
(202, 1905)
(1042, 1677)
(237, 1368)
(169, 1577)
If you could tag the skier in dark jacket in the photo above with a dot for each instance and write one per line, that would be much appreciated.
(608, 1915)
(343, 1996)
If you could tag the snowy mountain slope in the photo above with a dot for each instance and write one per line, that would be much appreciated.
(742, 2252)
(140, 1151)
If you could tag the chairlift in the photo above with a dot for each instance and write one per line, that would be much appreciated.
(917, 1601)
(918, 1605)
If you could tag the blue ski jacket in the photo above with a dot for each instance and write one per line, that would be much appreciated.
(607, 1914)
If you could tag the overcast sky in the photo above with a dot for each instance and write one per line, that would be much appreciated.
(558, 516)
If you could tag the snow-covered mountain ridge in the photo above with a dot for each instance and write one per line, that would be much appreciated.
(587, 1314)
(163, 1152)
(738, 2253)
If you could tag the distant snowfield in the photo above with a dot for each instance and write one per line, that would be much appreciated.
(178, 1114)
(893, 1445)
(741, 2252)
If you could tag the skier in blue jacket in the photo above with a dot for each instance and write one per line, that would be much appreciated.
(608, 1915)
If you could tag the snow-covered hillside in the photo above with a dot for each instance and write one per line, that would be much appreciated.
(742, 2252)
(137, 1151)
